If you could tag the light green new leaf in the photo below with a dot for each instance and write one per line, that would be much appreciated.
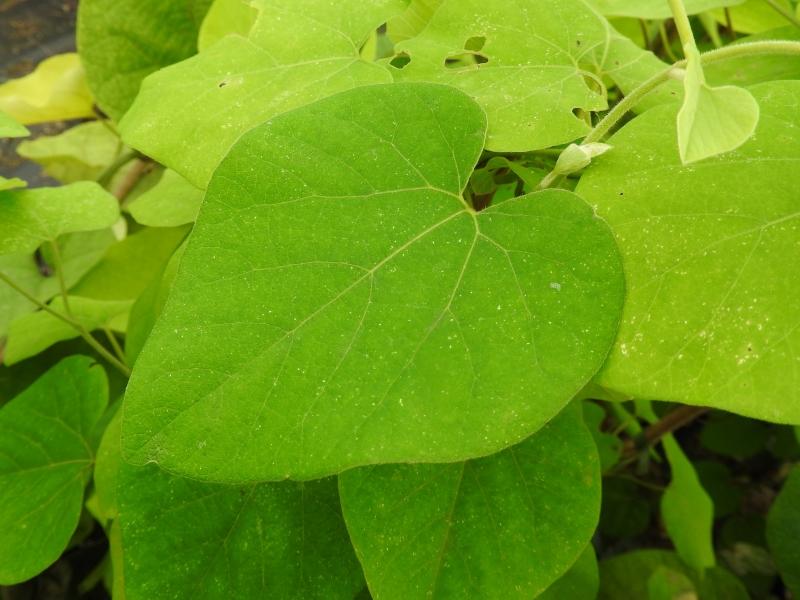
(9, 128)
(581, 581)
(79, 253)
(189, 115)
(687, 511)
(81, 152)
(186, 539)
(123, 41)
(226, 17)
(712, 120)
(338, 304)
(32, 333)
(783, 531)
(655, 9)
(712, 314)
(170, 202)
(29, 218)
(45, 462)
(505, 526)
(628, 576)
(55, 91)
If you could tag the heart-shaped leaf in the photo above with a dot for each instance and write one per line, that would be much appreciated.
(423, 531)
(296, 53)
(712, 120)
(712, 314)
(45, 462)
(377, 317)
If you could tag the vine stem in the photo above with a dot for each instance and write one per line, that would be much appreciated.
(736, 51)
(680, 417)
(97, 346)
(624, 106)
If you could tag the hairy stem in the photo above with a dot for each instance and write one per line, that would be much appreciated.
(682, 24)
(631, 100)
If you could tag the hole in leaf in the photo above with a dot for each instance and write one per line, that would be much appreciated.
(400, 61)
(465, 59)
(475, 44)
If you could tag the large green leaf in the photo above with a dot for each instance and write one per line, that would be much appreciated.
(377, 318)
(712, 315)
(30, 217)
(655, 9)
(411, 21)
(189, 115)
(755, 16)
(79, 253)
(687, 511)
(628, 576)
(505, 526)
(527, 63)
(45, 462)
(123, 41)
(186, 539)
(783, 531)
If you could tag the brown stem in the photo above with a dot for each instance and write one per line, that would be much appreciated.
(139, 169)
(680, 417)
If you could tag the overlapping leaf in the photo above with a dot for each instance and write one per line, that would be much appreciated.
(187, 539)
(338, 304)
(30, 217)
(505, 526)
(123, 41)
(296, 53)
(56, 90)
(45, 462)
(712, 315)
(530, 65)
